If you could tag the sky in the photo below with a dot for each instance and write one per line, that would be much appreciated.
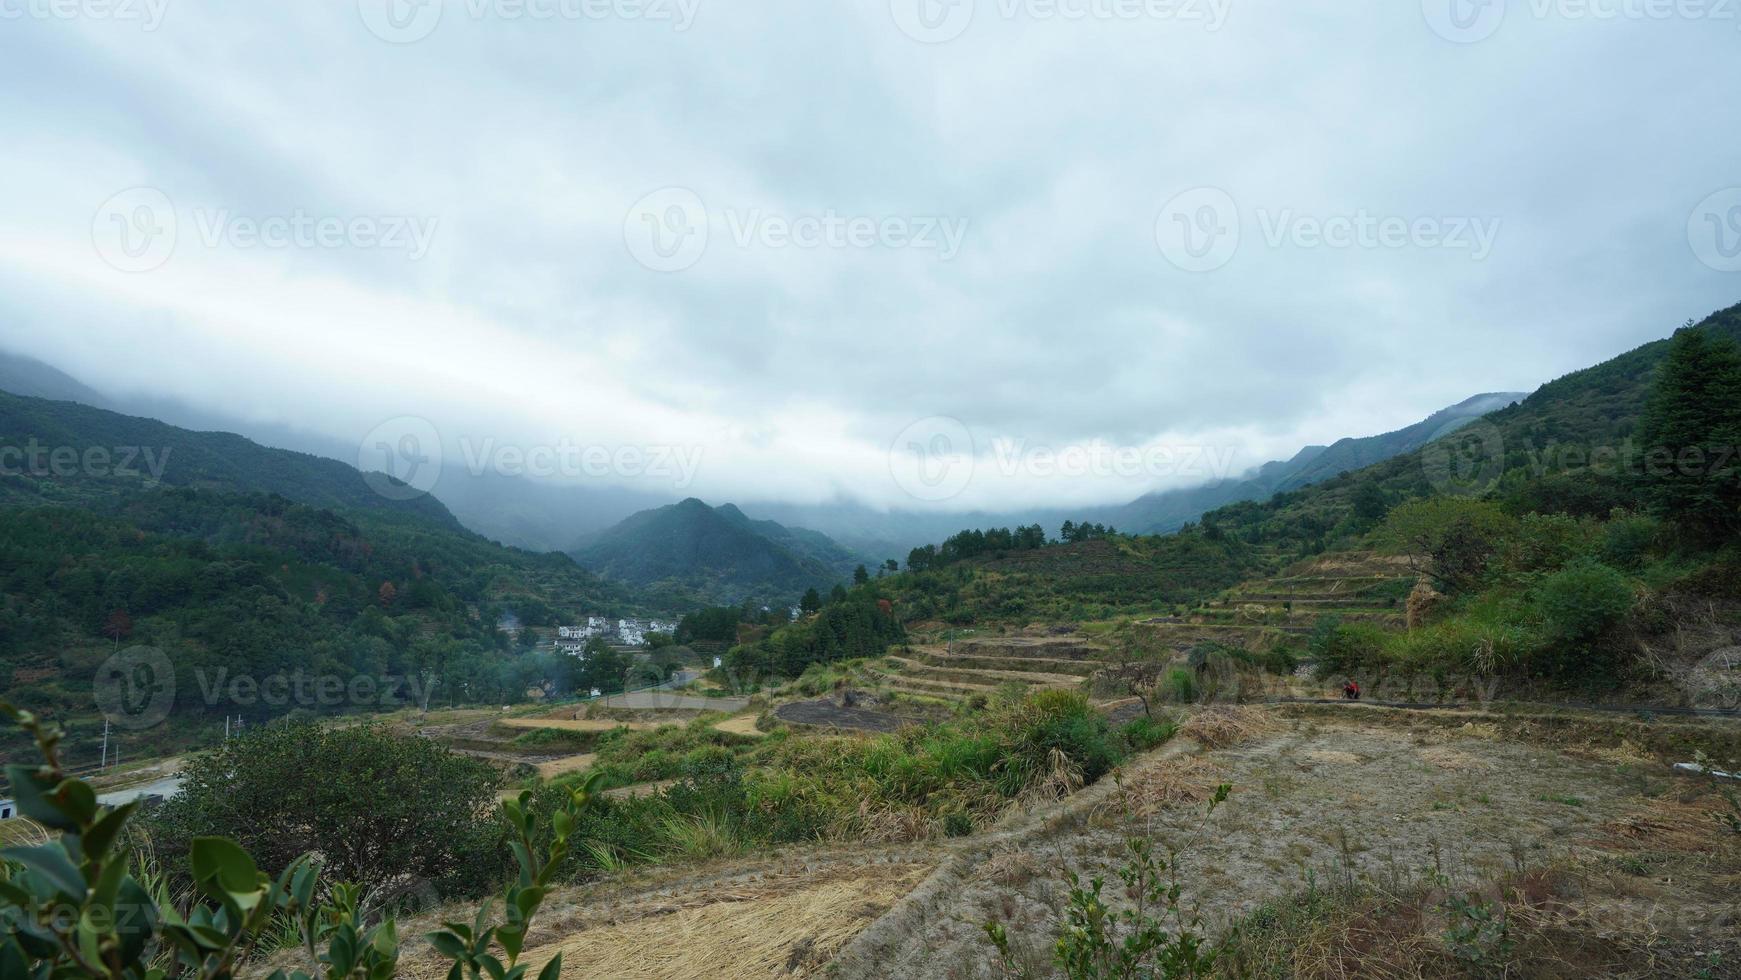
(791, 250)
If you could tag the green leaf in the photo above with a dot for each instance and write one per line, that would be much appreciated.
(448, 944)
(108, 885)
(49, 863)
(221, 867)
(386, 941)
(552, 970)
(101, 836)
(136, 919)
(32, 794)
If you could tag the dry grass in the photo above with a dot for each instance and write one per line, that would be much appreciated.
(741, 725)
(567, 764)
(889, 825)
(639, 789)
(1181, 779)
(1219, 726)
(1062, 777)
(1333, 757)
(21, 832)
(1666, 824)
(1469, 729)
(1010, 868)
(737, 934)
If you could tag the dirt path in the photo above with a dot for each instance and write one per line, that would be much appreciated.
(1319, 799)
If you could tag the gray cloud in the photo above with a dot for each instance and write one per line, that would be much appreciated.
(1583, 143)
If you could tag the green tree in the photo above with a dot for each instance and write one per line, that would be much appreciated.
(603, 667)
(1691, 428)
(860, 575)
(1370, 505)
(382, 809)
(811, 602)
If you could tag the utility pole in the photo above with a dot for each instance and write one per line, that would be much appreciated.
(105, 760)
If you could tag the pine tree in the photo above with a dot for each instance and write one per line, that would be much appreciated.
(1690, 430)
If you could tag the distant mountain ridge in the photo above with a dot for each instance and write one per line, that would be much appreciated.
(714, 554)
(549, 516)
(140, 453)
(1589, 409)
(1171, 509)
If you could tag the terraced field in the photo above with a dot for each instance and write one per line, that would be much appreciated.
(959, 669)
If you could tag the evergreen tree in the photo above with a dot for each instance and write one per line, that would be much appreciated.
(811, 602)
(1690, 430)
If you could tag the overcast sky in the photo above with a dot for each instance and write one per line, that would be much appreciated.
(784, 236)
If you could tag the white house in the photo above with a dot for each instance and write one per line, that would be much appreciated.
(8, 810)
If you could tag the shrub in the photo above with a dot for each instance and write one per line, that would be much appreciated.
(73, 908)
(377, 806)
(1345, 648)
(1143, 734)
(1181, 685)
(1581, 603)
(1052, 720)
(1629, 539)
(1580, 608)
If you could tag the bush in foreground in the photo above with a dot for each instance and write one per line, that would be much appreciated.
(381, 808)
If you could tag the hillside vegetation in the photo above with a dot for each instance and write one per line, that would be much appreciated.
(237, 561)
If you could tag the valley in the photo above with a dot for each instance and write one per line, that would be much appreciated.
(1362, 726)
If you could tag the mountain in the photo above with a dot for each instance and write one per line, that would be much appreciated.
(1535, 453)
(28, 376)
(1171, 509)
(234, 560)
(67, 452)
(524, 513)
(690, 553)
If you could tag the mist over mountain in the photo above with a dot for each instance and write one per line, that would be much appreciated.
(545, 515)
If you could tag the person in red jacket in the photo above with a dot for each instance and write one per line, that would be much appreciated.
(1351, 690)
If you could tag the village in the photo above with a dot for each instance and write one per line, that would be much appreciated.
(618, 632)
